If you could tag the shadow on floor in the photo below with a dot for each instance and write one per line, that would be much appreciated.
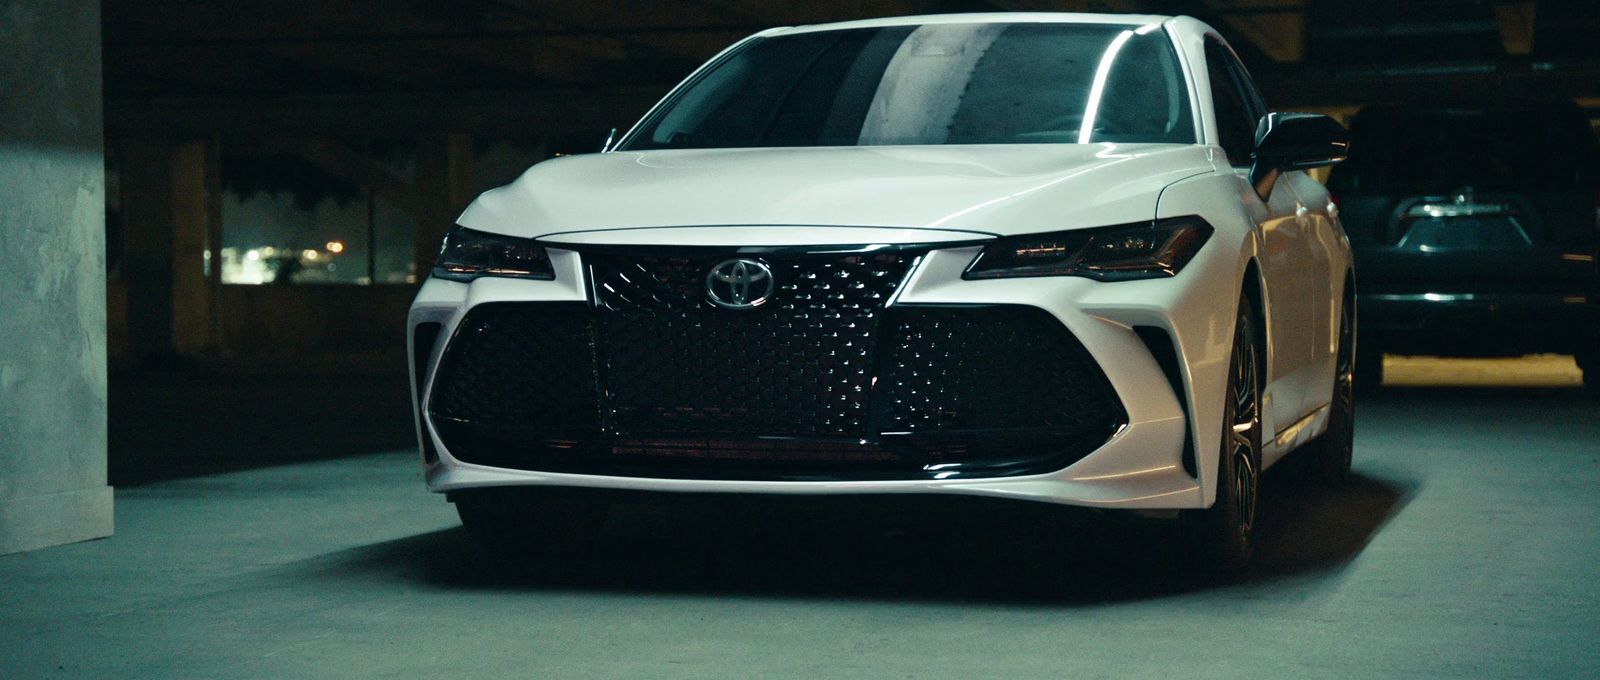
(935, 548)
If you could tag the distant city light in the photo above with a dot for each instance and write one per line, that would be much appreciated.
(335, 247)
(245, 267)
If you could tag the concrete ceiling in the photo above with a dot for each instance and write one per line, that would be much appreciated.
(181, 54)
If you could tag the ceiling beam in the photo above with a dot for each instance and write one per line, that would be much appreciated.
(520, 113)
(1278, 29)
(1318, 85)
(671, 30)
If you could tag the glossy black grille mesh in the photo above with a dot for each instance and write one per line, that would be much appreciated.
(524, 367)
(820, 283)
(799, 365)
(821, 382)
(950, 369)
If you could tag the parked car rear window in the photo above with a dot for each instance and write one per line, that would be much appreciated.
(1481, 148)
(980, 83)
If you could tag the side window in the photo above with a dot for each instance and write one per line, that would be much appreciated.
(1252, 96)
(1234, 102)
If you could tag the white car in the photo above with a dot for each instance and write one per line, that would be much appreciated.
(1064, 258)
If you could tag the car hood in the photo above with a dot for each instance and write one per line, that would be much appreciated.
(990, 189)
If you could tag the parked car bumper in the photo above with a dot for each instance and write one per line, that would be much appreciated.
(1480, 323)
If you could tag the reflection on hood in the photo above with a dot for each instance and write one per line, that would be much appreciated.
(997, 189)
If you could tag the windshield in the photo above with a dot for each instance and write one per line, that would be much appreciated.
(981, 83)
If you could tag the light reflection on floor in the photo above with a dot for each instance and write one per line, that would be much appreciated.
(1542, 370)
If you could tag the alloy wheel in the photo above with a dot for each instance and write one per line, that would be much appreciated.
(1243, 437)
(1223, 533)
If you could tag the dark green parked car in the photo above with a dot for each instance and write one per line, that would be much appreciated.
(1474, 230)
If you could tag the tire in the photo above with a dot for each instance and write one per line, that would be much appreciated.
(1224, 533)
(1326, 460)
(515, 522)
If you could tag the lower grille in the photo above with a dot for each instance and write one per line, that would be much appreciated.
(521, 367)
(822, 382)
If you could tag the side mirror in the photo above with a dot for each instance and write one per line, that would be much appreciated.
(1295, 141)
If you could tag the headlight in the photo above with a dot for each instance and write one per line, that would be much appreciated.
(1144, 250)
(468, 254)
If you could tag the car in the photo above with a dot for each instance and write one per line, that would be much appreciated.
(1476, 228)
(1060, 258)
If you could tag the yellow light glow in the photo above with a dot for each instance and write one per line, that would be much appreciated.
(335, 247)
(1041, 250)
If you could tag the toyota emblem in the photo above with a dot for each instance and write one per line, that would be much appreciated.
(739, 284)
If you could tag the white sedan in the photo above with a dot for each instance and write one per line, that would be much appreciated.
(1064, 258)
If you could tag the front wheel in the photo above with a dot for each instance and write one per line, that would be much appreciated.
(1223, 534)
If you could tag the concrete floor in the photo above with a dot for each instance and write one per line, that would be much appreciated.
(1466, 547)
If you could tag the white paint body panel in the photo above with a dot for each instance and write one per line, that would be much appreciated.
(959, 195)
(992, 189)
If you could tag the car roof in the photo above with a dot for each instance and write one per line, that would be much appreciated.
(976, 18)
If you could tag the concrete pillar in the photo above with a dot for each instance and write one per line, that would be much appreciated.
(52, 277)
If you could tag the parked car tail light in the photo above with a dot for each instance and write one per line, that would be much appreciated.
(468, 254)
(1144, 250)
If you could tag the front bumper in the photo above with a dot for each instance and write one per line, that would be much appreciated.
(1141, 465)
(793, 394)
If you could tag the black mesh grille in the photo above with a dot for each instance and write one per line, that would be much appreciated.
(954, 369)
(800, 365)
(821, 382)
(523, 367)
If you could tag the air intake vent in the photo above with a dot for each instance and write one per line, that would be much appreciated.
(423, 339)
(1160, 344)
